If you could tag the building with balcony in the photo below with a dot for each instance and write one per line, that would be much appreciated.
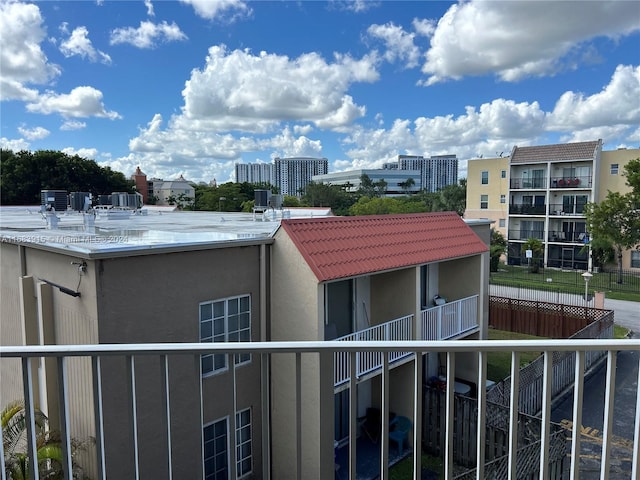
(211, 279)
(548, 188)
(374, 278)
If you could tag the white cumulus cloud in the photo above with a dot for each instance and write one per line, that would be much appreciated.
(15, 145)
(240, 91)
(398, 42)
(23, 61)
(36, 133)
(88, 153)
(80, 102)
(148, 34)
(70, 125)
(518, 39)
(217, 9)
(617, 103)
(79, 44)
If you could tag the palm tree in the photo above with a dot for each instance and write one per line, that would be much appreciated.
(48, 446)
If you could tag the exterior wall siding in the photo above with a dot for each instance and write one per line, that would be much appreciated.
(160, 309)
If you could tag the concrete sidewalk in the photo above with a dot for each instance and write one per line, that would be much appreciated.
(626, 313)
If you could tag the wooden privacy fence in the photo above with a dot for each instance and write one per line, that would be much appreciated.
(496, 437)
(531, 376)
(542, 319)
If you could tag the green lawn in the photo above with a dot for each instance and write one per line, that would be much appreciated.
(567, 281)
(403, 470)
(499, 363)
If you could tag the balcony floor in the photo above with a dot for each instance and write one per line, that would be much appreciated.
(368, 460)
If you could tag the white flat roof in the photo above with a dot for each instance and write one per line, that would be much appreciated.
(150, 229)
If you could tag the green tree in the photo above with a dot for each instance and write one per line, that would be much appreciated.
(25, 174)
(452, 198)
(325, 195)
(371, 189)
(407, 184)
(48, 446)
(497, 247)
(615, 221)
(290, 201)
(537, 251)
(386, 205)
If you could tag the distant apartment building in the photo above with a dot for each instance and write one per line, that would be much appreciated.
(399, 182)
(541, 192)
(488, 191)
(254, 173)
(436, 172)
(292, 175)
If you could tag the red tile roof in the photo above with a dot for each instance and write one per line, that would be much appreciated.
(560, 152)
(343, 247)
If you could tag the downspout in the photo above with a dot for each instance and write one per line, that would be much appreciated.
(265, 365)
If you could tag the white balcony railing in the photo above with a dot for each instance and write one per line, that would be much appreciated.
(367, 362)
(99, 355)
(451, 319)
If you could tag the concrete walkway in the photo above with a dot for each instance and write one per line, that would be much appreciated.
(626, 313)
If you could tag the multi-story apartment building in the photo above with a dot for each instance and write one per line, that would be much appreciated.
(548, 188)
(292, 175)
(254, 173)
(198, 277)
(399, 182)
(368, 278)
(488, 191)
(148, 279)
(436, 172)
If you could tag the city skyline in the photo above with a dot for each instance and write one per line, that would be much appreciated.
(191, 88)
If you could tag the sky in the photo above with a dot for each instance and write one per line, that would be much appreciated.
(192, 87)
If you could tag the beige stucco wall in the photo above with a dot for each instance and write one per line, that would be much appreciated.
(297, 313)
(68, 320)
(497, 186)
(155, 298)
(393, 295)
(616, 183)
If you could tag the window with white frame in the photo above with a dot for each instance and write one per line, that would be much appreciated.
(503, 199)
(216, 450)
(243, 443)
(484, 202)
(614, 169)
(484, 177)
(226, 320)
(501, 223)
(635, 258)
(216, 447)
(503, 174)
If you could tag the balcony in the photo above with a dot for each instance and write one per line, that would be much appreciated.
(571, 182)
(567, 209)
(527, 209)
(133, 354)
(438, 323)
(568, 237)
(451, 319)
(528, 183)
(525, 234)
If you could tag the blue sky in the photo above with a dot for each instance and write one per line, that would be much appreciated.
(192, 87)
